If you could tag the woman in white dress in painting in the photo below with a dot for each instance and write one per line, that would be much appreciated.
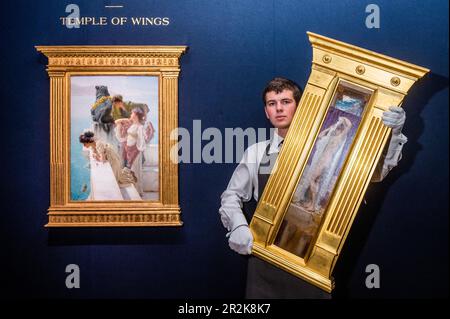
(133, 138)
(105, 152)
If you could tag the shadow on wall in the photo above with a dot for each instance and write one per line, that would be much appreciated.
(414, 103)
(116, 236)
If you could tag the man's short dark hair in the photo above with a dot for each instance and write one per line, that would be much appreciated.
(279, 84)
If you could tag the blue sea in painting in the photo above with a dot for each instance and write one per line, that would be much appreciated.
(79, 168)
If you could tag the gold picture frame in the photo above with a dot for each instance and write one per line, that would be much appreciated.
(155, 71)
(300, 225)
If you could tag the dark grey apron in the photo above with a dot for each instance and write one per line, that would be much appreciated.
(265, 280)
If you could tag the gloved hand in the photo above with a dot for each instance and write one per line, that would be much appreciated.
(241, 240)
(394, 118)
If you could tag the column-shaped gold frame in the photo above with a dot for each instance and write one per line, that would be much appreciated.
(333, 61)
(65, 61)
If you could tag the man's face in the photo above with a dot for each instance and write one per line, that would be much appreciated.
(280, 108)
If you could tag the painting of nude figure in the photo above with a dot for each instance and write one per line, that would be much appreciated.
(322, 170)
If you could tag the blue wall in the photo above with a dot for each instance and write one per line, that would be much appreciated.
(235, 47)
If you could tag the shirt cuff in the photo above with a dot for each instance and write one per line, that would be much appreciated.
(398, 140)
(236, 220)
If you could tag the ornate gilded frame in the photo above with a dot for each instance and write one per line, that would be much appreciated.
(65, 61)
(388, 80)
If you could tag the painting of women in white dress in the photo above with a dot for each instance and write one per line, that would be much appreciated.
(322, 169)
(114, 138)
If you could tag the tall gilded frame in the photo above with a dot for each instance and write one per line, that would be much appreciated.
(66, 61)
(387, 81)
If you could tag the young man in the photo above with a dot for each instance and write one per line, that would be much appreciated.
(281, 97)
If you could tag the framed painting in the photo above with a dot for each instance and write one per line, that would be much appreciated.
(112, 110)
(329, 155)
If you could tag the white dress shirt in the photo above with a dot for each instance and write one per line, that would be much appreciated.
(244, 181)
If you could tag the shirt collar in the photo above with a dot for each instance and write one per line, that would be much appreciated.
(275, 143)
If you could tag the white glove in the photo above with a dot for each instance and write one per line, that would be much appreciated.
(394, 118)
(241, 240)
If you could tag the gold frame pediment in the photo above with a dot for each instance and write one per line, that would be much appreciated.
(334, 62)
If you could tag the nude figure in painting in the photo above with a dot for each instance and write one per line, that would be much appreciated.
(325, 161)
